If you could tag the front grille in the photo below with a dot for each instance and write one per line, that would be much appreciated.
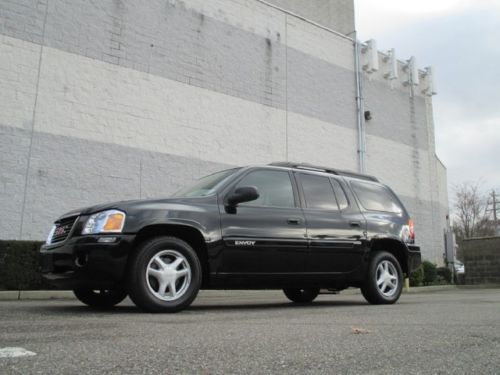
(62, 229)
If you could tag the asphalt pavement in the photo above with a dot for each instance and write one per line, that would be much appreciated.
(258, 332)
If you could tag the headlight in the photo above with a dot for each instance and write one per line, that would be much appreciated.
(110, 221)
(51, 234)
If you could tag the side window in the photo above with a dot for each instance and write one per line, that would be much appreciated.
(275, 188)
(340, 194)
(318, 192)
(375, 197)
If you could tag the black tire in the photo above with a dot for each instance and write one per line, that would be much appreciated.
(298, 295)
(145, 288)
(100, 299)
(386, 293)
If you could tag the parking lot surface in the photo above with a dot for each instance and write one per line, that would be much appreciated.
(259, 332)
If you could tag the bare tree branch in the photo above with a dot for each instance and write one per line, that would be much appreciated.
(470, 219)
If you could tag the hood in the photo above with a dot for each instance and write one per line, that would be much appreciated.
(98, 207)
(128, 205)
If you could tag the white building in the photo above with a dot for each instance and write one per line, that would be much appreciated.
(112, 100)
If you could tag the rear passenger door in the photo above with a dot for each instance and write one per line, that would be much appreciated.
(335, 227)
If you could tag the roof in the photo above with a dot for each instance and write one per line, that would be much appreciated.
(311, 167)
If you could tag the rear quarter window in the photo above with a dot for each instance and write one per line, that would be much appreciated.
(374, 197)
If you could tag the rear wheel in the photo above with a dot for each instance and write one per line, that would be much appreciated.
(100, 299)
(384, 281)
(165, 275)
(304, 295)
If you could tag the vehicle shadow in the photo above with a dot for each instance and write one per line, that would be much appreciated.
(202, 306)
(273, 305)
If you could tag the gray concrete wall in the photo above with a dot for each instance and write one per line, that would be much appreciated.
(337, 15)
(482, 260)
(113, 100)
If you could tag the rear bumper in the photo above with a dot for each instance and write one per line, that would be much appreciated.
(85, 262)
(414, 258)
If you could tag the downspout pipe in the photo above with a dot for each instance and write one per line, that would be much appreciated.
(360, 108)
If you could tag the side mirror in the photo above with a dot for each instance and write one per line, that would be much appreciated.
(240, 195)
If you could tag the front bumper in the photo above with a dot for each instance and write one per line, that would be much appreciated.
(84, 262)
(414, 258)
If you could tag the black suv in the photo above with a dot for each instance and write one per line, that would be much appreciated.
(296, 227)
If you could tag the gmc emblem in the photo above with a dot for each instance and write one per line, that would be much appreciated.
(60, 231)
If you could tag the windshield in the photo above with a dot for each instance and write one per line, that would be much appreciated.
(206, 185)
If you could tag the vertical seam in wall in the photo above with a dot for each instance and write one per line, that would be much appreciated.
(432, 170)
(286, 87)
(140, 178)
(30, 147)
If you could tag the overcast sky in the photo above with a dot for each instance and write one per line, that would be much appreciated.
(461, 40)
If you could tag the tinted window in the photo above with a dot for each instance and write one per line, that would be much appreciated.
(340, 194)
(206, 185)
(318, 192)
(275, 188)
(375, 197)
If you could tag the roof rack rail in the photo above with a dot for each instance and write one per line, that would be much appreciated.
(317, 168)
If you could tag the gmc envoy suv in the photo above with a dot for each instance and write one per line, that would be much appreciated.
(290, 226)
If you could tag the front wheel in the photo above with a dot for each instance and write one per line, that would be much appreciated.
(299, 295)
(384, 281)
(165, 275)
(100, 299)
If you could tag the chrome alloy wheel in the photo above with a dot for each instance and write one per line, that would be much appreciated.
(387, 278)
(168, 275)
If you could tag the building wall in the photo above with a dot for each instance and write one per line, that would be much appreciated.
(117, 99)
(401, 150)
(337, 15)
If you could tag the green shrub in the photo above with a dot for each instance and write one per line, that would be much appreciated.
(417, 277)
(445, 274)
(430, 272)
(19, 266)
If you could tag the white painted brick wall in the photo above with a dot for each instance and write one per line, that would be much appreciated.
(18, 77)
(161, 108)
(392, 163)
(334, 14)
(266, 21)
(248, 15)
(322, 143)
(320, 43)
(88, 99)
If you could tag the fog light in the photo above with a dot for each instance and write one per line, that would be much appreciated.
(106, 239)
(81, 260)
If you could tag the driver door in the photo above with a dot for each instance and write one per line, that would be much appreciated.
(267, 235)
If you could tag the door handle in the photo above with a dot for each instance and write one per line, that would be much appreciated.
(293, 221)
(356, 224)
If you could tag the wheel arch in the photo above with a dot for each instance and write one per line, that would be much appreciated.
(186, 233)
(394, 247)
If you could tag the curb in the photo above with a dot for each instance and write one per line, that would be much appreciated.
(479, 286)
(13, 295)
(430, 289)
(9, 295)
(411, 290)
(16, 295)
(46, 294)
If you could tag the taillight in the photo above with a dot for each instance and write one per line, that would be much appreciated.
(412, 230)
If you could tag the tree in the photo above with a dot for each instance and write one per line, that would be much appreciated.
(470, 219)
